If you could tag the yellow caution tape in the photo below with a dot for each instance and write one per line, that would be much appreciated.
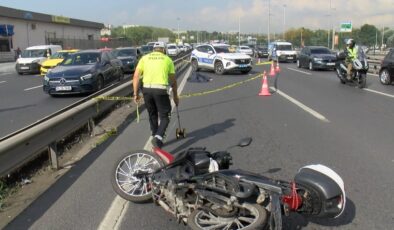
(219, 89)
(113, 98)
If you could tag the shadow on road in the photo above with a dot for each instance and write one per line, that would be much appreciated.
(203, 133)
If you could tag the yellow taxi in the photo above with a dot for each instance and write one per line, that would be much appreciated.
(55, 59)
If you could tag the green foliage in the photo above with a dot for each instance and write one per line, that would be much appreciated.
(3, 193)
(142, 34)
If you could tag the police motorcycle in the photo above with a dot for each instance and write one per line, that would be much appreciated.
(360, 69)
(197, 187)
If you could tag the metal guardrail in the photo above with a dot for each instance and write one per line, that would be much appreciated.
(22, 146)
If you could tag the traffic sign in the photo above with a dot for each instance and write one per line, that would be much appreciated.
(346, 27)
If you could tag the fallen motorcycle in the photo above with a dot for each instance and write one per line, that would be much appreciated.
(198, 188)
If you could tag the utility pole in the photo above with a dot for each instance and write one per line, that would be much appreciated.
(269, 20)
(284, 21)
(239, 30)
(382, 40)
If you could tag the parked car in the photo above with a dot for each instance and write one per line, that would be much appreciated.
(261, 52)
(245, 50)
(172, 50)
(386, 72)
(316, 57)
(83, 72)
(31, 58)
(55, 60)
(217, 57)
(129, 57)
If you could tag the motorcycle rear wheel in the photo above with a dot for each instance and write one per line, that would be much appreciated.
(362, 81)
(130, 175)
(249, 217)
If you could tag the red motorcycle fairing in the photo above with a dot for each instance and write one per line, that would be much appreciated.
(165, 156)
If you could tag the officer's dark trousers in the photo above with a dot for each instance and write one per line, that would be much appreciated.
(157, 102)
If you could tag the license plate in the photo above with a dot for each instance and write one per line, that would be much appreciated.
(243, 66)
(289, 57)
(331, 64)
(25, 67)
(63, 88)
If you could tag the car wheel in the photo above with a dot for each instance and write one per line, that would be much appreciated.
(195, 65)
(219, 68)
(311, 66)
(298, 63)
(384, 77)
(99, 83)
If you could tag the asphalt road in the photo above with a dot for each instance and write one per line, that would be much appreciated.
(23, 102)
(347, 129)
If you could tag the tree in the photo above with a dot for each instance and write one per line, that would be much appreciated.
(368, 35)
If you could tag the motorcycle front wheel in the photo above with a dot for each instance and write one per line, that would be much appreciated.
(130, 175)
(248, 217)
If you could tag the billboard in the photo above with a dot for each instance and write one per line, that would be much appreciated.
(346, 27)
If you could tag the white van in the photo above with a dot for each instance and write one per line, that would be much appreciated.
(30, 59)
(282, 51)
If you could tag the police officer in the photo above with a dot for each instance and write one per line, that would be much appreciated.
(351, 53)
(158, 74)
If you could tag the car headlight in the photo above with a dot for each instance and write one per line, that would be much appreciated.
(36, 61)
(86, 77)
(318, 59)
(229, 59)
(46, 78)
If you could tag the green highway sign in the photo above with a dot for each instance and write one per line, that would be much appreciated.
(346, 27)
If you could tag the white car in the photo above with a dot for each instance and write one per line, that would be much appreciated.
(245, 50)
(172, 50)
(217, 57)
(282, 51)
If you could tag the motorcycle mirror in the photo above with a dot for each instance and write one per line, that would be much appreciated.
(245, 142)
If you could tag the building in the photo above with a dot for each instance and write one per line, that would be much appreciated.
(19, 28)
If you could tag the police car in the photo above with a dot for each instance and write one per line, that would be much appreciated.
(217, 57)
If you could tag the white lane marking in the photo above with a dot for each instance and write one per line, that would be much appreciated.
(377, 92)
(3, 82)
(373, 74)
(35, 87)
(119, 206)
(299, 71)
(302, 106)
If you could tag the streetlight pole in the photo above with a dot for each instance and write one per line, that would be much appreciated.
(284, 21)
(239, 30)
(177, 19)
(269, 20)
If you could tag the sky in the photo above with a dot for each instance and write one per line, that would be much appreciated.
(220, 15)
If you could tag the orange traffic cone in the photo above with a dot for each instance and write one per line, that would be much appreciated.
(277, 69)
(272, 71)
(264, 88)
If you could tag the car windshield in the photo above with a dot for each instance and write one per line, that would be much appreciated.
(320, 51)
(33, 53)
(171, 47)
(284, 47)
(262, 48)
(82, 59)
(245, 48)
(221, 49)
(146, 48)
(125, 52)
(60, 55)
